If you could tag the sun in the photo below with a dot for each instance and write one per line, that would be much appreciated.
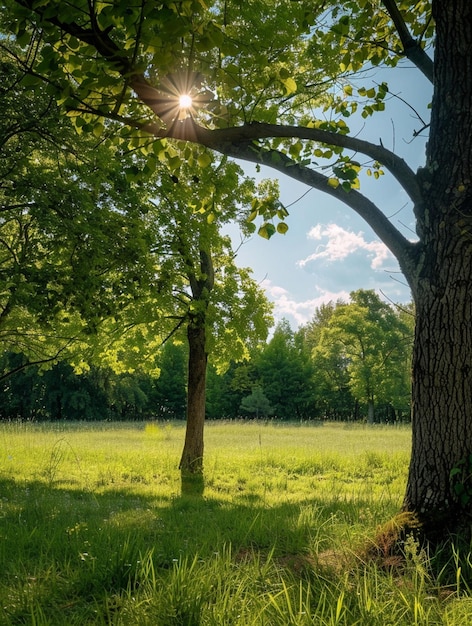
(185, 101)
(180, 97)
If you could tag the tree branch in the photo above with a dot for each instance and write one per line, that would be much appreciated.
(224, 139)
(37, 362)
(411, 47)
(239, 141)
(216, 139)
(403, 249)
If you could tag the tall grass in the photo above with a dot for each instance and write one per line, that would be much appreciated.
(94, 529)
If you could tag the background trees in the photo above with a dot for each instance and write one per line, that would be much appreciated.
(257, 404)
(302, 375)
(368, 344)
(285, 375)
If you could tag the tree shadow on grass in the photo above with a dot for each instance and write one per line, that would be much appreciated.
(67, 551)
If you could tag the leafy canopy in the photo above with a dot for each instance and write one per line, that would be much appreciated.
(270, 80)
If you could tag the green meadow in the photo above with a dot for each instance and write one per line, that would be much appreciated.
(94, 529)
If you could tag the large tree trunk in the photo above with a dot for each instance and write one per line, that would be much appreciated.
(442, 393)
(442, 359)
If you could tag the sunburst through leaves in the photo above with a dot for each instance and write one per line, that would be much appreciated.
(181, 96)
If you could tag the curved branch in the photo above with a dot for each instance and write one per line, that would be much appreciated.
(403, 249)
(190, 131)
(238, 141)
(222, 140)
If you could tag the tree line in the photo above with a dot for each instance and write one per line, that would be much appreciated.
(350, 362)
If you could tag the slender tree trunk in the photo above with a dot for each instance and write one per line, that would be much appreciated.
(191, 462)
(371, 411)
(192, 455)
(442, 287)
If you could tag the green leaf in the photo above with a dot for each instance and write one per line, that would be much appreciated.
(30, 81)
(98, 129)
(295, 149)
(282, 228)
(204, 160)
(290, 86)
(282, 212)
(284, 73)
(267, 230)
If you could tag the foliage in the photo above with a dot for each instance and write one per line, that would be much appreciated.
(83, 242)
(169, 396)
(257, 403)
(187, 215)
(367, 344)
(175, 63)
(148, 56)
(299, 373)
(285, 374)
(61, 394)
(70, 229)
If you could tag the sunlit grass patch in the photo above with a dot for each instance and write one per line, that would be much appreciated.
(94, 529)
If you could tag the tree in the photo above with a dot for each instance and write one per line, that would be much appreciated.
(333, 397)
(285, 375)
(371, 346)
(264, 113)
(70, 228)
(200, 290)
(257, 403)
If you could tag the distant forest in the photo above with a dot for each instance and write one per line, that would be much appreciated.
(350, 362)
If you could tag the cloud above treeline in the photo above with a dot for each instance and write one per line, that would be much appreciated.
(337, 243)
(299, 311)
(342, 262)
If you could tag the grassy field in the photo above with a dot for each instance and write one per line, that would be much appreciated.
(94, 529)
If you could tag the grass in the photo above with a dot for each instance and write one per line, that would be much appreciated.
(93, 529)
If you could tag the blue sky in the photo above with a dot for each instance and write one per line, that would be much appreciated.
(328, 250)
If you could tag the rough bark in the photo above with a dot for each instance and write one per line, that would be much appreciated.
(191, 462)
(442, 286)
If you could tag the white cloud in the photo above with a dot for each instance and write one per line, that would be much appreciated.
(300, 312)
(339, 243)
